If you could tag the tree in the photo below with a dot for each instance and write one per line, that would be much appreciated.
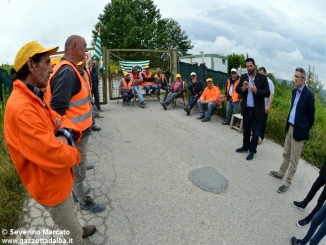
(312, 81)
(137, 24)
(172, 37)
(236, 61)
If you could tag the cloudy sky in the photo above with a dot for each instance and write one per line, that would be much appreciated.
(280, 35)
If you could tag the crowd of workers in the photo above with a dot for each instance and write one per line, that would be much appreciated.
(51, 107)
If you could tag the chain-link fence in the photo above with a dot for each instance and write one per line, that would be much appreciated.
(164, 59)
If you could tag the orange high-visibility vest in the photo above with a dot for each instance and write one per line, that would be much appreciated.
(133, 76)
(235, 95)
(125, 84)
(161, 77)
(42, 162)
(149, 75)
(79, 111)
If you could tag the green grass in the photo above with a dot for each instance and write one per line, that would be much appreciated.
(12, 191)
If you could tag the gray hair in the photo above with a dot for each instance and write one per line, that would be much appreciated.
(302, 71)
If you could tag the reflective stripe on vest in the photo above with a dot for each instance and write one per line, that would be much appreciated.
(79, 110)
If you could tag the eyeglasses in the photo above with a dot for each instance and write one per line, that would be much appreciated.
(295, 76)
(233, 72)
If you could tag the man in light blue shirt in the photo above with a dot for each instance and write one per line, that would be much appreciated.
(299, 123)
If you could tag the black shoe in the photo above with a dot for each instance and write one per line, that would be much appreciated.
(142, 104)
(128, 102)
(96, 128)
(125, 103)
(87, 190)
(298, 205)
(206, 120)
(303, 222)
(92, 206)
(275, 174)
(164, 105)
(88, 230)
(250, 156)
(225, 123)
(295, 241)
(188, 111)
(200, 117)
(282, 189)
(241, 149)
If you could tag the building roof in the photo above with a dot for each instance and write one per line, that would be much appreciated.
(205, 55)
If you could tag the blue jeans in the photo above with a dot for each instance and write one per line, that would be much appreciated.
(192, 101)
(139, 92)
(210, 107)
(153, 87)
(229, 106)
(318, 219)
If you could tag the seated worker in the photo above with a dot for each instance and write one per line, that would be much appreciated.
(178, 89)
(162, 83)
(232, 97)
(148, 82)
(126, 88)
(210, 97)
(137, 80)
(196, 88)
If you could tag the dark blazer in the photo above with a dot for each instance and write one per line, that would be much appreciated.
(196, 88)
(94, 76)
(261, 84)
(304, 114)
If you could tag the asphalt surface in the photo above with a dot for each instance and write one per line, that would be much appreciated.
(143, 158)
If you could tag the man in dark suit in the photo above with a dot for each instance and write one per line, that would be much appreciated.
(254, 88)
(298, 124)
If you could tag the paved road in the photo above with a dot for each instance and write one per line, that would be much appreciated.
(143, 158)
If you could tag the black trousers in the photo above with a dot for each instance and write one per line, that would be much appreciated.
(96, 95)
(164, 87)
(250, 123)
(319, 182)
(263, 126)
(127, 96)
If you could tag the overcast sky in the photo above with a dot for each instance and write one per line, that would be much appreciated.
(280, 35)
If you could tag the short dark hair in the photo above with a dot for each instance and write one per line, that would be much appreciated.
(24, 71)
(250, 60)
(262, 68)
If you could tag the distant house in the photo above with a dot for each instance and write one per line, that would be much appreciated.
(214, 62)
